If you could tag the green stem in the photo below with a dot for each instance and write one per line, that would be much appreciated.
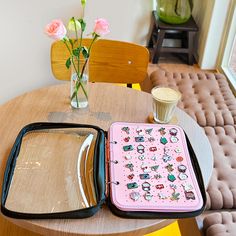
(79, 80)
(77, 72)
(81, 37)
(76, 30)
(82, 72)
(83, 12)
(76, 39)
(76, 98)
(89, 49)
(65, 42)
(86, 61)
(85, 93)
(80, 43)
(90, 46)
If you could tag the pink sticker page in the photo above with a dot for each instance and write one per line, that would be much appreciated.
(150, 169)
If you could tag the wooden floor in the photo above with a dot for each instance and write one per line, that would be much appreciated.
(170, 64)
(175, 64)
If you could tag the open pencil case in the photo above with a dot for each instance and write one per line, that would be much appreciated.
(65, 170)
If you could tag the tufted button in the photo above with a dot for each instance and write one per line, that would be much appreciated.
(175, 75)
(226, 154)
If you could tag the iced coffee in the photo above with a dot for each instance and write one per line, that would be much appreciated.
(164, 103)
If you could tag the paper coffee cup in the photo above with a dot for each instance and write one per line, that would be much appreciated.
(164, 103)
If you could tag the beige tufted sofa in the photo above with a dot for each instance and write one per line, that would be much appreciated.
(208, 99)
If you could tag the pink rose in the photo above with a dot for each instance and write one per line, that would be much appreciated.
(101, 27)
(56, 30)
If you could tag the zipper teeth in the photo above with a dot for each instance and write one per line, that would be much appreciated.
(99, 164)
(95, 164)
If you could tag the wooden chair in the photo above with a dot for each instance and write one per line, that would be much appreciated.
(110, 61)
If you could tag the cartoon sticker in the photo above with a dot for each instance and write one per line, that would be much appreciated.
(173, 131)
(130, 166)
(189, 195)
(171, 177)
(132, 185)
(140, 149)
(144, 176)
(182, 168)
(148, 131)
(148, 196)
(126, 129)
(131, 176)
(128, 157)
(134, 196)
(160, 186)
(126, 139)
(163, 140)
(169, 167)
(162, 131)
(146, 186)
(174, 139)
(139, 139)
(182, 176)
(128, 148)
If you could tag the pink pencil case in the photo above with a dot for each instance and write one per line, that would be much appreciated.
(153, 169)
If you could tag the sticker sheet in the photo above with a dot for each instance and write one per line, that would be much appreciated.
(150, 169)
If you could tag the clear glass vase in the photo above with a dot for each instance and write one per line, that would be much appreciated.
(79, 83)
(174, 11)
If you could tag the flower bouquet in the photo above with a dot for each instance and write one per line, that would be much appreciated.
(79, 54)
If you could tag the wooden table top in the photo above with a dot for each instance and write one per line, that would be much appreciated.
(107, 104)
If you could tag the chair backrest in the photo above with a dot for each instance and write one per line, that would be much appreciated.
(110, 61)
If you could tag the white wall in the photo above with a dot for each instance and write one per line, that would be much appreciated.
(210, 16)
(25, 49)
(202, 12)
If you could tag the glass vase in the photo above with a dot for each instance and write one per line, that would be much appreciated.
(174, 11)
(79, 83)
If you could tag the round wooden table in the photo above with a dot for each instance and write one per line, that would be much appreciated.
(107, 103)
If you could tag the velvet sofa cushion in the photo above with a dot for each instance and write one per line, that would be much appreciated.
(221, 191)
(206, 97)
(220, 224)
